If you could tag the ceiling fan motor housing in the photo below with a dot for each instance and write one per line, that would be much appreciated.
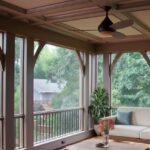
(105, 25)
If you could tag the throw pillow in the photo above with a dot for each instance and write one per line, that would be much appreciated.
(124, 118)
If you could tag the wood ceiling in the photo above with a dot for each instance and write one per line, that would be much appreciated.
(64, 16)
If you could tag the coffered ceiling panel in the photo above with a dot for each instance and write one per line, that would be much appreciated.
(143, 16)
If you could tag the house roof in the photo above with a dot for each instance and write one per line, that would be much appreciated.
(46, 86)
(70, 17)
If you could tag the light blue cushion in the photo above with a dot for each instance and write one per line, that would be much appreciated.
(124, 118)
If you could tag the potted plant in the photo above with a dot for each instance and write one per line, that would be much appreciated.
(99, 107)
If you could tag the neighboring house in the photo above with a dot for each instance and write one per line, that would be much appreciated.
(45, 90)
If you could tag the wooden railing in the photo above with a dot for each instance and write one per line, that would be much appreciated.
(53, 124)
(47, 125)
(19, 130)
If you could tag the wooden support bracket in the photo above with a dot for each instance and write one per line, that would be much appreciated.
(147, 59)
(2, 59)
(41, 45)
(82, 66)
(115, 62)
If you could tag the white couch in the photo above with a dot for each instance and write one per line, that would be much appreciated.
(140, 124)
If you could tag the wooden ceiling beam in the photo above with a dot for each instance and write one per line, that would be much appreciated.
(71, 11)
(123, 6)
(133, 6)
(71, 17)
(55, 9)
(62, 6)
(121, 47)
(24, 29)
(11, 6)
(60, 10)
(47, 25)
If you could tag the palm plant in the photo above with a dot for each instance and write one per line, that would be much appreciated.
(99, 104)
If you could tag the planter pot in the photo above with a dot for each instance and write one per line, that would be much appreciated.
(97, 129)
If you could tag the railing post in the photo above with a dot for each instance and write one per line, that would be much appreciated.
(28, 93)
(8, 96)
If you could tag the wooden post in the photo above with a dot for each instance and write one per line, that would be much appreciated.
(28, 92)
(93, 67)
(107, 74)
(8, 95)
(86, 91)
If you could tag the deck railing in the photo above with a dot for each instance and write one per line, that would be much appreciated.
(49, 125)
(53, 124)
(19, 119)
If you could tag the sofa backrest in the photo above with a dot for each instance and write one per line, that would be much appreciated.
(140, 115)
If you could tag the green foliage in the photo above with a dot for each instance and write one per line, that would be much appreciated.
(17, 100)
(100, 71)
(131, 82)
(99, 104)
(18, 52)
(44, 64)
(60, 66)
(66, 68)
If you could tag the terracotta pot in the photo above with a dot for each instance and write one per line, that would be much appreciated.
(97, 129)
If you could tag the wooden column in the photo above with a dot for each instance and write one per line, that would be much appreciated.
(86, 91)
(28, 92)
(8, 93)
(107, 74)
(93, 67)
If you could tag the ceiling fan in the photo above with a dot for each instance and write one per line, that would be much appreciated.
(107, 27)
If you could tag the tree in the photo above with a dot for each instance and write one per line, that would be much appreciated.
(66, 73)
(130, 81)
(60, 66)
(18, 53)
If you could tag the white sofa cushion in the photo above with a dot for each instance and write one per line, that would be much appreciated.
(127, 131)
(140, 115)
(145, 134)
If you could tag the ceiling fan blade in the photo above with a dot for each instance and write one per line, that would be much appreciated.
(122, 24)
(118, 35)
